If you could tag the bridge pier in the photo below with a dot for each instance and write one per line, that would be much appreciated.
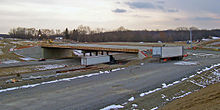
(53, 53)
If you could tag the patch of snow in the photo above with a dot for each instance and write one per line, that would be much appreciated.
(185, 63)
(142, 94)
(112, 107)
(134, 105)
(131, 99)
(163, 96)
(78, 52)
(116, 69)
(181, 95)
(191, 76)
(10, 62)
(204, 81)
(11, 49)
(28, 59)
(164, 85)
(197, 84)
(176, 82)
(215, 37)
(13, 42)
(142, 64)
(107, 72)
(155, 108)
(206, 39)
(149, 92)
(184, 79)
(216, 73)
(202, 54)
(125, 103)
(48, 67)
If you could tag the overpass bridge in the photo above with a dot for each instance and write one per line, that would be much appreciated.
(65, 50)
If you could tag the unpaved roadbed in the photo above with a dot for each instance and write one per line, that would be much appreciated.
(198, 100)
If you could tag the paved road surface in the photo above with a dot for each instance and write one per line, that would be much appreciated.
(99, 91)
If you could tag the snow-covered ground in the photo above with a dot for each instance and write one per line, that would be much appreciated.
(112, 107)
(10, 61)
(202, 54)
(205, 80)
(79, 53)
(131, 99)
(185, 63)
(28, 59)
(13, 42)
(206, 39)
(12, 49)
(48, 67)
(215, 37)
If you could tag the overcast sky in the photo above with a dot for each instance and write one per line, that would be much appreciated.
(109, 14)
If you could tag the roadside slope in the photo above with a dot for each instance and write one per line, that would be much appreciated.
(205, 99)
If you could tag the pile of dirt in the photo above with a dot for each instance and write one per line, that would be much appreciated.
(205, 99)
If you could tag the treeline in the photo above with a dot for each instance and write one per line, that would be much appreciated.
(85, 34)
(148, 36)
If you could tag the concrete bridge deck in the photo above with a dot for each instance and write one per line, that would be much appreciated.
(96, 47)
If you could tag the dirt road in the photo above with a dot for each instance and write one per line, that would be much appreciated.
(102, 90)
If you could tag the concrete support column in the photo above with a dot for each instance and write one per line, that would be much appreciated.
(102, 53)
(96, 53)
(107, 52)
(90, 53)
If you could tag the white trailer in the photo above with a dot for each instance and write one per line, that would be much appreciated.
(168, 52)
(92, 60)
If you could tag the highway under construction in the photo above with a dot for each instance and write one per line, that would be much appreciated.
(63, 82)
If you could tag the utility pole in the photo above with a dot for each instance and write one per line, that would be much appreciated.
(190, 32)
